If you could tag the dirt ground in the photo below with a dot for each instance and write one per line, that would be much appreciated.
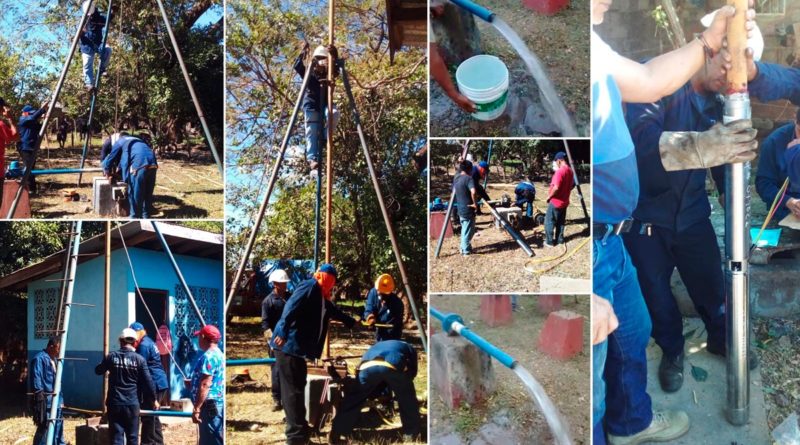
(566, 382)
(560, 41)
(496, 253)
(184, 189)
(17, 429)
(248, 408)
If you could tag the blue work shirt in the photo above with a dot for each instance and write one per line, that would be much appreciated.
(304, 321)
(212, 363)
(399, 354)
(677, 200)
(314, 99)
(105, 149)
(616, 180)
(92, 35)
(773, 171)
(29, 127)
(148, 350)
(388, 309)
(127, 376)
(43, 374)
(525, 193)
(129, 153)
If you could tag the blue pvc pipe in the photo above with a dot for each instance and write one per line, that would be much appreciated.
(163, 413)
(476, 9)
(249, 361)
(65, 171)
(447, 324)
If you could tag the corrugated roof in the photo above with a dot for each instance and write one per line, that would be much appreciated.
(181, 241)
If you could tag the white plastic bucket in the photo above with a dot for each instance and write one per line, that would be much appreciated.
(484, 80)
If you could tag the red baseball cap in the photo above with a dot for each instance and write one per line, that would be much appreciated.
(210, 332)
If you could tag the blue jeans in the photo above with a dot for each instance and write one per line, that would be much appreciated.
(40, 437)
(212, 426)
(369, 380)
(123, 424)
(555, 218)
(88, 64)
(141, 187)
(620, 384)
(467, 232)
(315, 130)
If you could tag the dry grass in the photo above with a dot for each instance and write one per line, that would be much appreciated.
(184, 189)
(498, 263)
(565, 381)
(248, 410)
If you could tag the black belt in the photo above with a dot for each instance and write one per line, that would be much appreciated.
(602, 230)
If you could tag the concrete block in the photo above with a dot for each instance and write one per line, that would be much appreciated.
(91, 435)
(459, 371)
(562, 335)
(511, 214)
(104, 195)
(496, 310)
(548, 303)
(184, 405)
(437, 219)
(563, 285)
(316, 405)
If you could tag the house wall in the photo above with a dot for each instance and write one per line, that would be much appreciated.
(82, 388)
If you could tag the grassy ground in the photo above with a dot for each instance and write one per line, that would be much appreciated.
(560, 41)
(248, 408)
(498, 264)
(184, 189)
(565, 382)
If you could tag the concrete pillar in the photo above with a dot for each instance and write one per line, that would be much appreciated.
(459, 371)
(548, 303)
(496, 310)
(562, 334)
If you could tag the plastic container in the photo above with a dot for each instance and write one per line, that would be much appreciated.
(484, 80)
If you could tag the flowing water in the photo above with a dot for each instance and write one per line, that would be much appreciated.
(557, 425)
(550, 99)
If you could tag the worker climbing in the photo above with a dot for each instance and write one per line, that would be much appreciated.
(92, 44)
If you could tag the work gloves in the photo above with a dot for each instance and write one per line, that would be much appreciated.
(721, 144)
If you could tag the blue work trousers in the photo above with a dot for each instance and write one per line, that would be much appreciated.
(40, 436)
(141, 187)
(123, 424)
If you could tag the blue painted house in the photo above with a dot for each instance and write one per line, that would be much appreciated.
(199, 255)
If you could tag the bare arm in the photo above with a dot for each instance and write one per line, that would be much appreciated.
(440, 74)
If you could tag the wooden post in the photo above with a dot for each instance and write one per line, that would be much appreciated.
(678, 38)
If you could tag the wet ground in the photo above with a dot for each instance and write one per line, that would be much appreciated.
(498, 264)
(561, 42)
(509, 416)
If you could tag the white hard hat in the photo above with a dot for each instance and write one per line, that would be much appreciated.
(278, 276)
(321, 51)
(127, 333)
(756, 43)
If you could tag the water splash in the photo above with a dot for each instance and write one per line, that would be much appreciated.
(551, 414)
(550, 100)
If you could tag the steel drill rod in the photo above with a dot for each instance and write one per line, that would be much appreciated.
(386, 218)
(237, 279)
(178, 273)
(578, 185)
(13, 208)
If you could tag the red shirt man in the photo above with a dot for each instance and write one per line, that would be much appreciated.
(8, 134)
(562, 183)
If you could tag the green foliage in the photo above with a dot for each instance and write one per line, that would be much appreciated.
(26, 243)
(263, 40)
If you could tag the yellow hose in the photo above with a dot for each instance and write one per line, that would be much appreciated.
(562, 257)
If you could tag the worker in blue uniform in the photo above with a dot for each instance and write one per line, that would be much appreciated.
(271, 311)
(525, 193)
(146, 347)
(128, 376)
(384, 307)
(772, 171)
(91, 39)
(300, 335)
(671, 227)
(316, 110)
(390, 363)
(42, 378)
(138, 165)
(29, 126)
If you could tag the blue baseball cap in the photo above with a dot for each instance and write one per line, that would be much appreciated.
(28, 109)
(136, 326)
(328, 268)
(484, 164)
(560, 155)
